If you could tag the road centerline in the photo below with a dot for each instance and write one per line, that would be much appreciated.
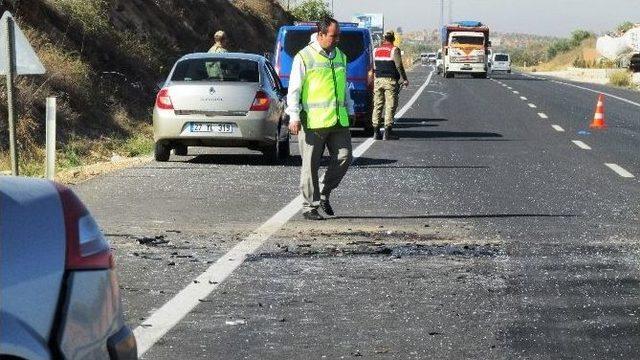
(557, 128)
(581, 144)
(543, 115)
(619, 170)
(173, 311)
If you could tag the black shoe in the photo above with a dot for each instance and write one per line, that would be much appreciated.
(376, 133)
(312, 215)
(388, 134)
(326, 207)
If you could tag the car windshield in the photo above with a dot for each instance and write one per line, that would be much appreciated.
(468, 40)
(351, 43)
(502, 57)
(216, 69)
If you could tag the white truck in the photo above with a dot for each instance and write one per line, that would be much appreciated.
(465, 47)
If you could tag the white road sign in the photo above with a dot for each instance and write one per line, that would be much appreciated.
(27, 62)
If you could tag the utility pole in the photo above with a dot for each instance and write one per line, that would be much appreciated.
(441, 13)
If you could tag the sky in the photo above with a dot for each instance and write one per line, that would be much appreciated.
(542, 17)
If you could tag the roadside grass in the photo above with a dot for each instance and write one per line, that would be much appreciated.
(77, 152)
(621, 78)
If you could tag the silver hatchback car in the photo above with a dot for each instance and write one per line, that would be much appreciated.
(224, 100)
(59, 295)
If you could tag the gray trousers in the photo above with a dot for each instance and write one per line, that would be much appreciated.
(312, 144)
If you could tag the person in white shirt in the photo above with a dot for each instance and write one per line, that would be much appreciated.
(321, 110)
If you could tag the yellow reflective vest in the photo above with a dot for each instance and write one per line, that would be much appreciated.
(324, 89)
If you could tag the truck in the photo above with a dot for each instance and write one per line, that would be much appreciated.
(465, 49)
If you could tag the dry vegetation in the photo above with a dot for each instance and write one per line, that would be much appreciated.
(103, 60)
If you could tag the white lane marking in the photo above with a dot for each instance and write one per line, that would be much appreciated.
(509, 87)
(415, 97)
(505, 85)
(523, 98)
(174, 310)
(557, 128)
(619, 170)
(516, 92)
(543, 115)
(533, 106)
(581, 145)
(598, 92)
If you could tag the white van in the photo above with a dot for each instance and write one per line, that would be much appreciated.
(501, 62)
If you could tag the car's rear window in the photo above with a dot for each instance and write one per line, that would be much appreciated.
(502, 57)
(216, 69)
(351, 43)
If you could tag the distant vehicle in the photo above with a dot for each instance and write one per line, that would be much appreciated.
(501, 62)
(466, 46)
(424, 58)
(634, 63)
(431, 57)
(223, 100)
(59, 295)
(439, 62)
(355, 43)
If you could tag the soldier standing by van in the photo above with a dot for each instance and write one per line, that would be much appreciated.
(388, 73)
(321, 111)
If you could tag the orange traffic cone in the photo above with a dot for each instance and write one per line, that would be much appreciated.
(598, 118)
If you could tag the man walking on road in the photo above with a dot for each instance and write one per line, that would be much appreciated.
(389, 71)
(220, 45)
(321, 111)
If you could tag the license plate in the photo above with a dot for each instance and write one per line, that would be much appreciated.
(213, 127)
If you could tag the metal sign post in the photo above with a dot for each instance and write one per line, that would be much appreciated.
(10, 58)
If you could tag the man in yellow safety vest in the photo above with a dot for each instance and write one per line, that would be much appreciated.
(321, 111)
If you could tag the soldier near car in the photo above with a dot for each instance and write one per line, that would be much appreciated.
(220, 42)
(389, 75)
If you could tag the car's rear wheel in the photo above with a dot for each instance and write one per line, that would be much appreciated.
(180, 150)
(280, 150)
(161, 151)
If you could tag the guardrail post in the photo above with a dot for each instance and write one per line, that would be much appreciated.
(51, 138)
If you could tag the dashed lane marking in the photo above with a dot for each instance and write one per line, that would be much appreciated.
(174, 310)
(516, 92)
(523, 98)
(533, 106)
(581, 145)
(557, 128)
(543, 115)
(619, 170)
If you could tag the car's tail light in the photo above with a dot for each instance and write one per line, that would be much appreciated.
(87, 249)
(163, 101)
(261, 102)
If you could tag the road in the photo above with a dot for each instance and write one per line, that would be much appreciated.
(485, 232)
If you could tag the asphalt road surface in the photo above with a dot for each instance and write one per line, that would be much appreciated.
(493, 229)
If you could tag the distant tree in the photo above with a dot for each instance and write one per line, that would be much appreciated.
(624, 27)
(578, 36)
(311, 10)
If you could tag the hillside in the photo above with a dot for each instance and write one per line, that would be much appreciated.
(104, 59)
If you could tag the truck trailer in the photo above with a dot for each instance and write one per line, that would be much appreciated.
(465, 49)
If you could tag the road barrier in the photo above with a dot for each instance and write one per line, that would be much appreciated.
(598, 117)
